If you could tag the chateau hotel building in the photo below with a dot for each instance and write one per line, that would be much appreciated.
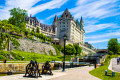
(65, 24)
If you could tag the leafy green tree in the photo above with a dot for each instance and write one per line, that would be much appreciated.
(57, 48)
(37, 30)
(18, 17)
(12, 21)
(33, 30)
(119, 48)
(69, 49)
(78, 49)
(4, 41)
(110, 53)
(26, 32)
(49, 39)
(113, 45)
(5, 21)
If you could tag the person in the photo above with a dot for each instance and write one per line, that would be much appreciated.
(95, 64)
(5, 61)
(117, 60)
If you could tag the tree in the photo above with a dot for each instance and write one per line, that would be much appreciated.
(33, 30)
(49, 39)
(37, 30)
(18, 17)
(69, 49)
(113, 45)
(5, 21)
(4, 41)
(78, 49)
(119, 48)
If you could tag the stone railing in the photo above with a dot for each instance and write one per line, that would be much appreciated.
(86, 50)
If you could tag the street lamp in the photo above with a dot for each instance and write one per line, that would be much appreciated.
(65, 38)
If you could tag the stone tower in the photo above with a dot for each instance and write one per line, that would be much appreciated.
(82, 30)
(55, 24)
(64, 25)
(67, 25)
(81, 23)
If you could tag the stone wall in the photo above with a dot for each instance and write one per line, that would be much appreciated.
(34, 46)
(86, 50)
(17, 67)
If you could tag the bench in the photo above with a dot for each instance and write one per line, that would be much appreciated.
(109, 74)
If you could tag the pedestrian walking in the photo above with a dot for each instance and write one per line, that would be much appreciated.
(117, 60)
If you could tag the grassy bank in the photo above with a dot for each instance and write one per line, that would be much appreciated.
(18, 56)
(100, 72)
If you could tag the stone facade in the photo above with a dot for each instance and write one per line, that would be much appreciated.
(48, 30)
(73, 29)
(34, 46)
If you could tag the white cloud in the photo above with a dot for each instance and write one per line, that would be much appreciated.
(59, 13)
(97, 27)
(94, 8)
(24, 4)
(98, 41)
(28, 5)
(9, 4)
(104, 35)
(49, 5)
(97, 9)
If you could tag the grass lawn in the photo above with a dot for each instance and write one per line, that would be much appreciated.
(100, 72)
(18, 57)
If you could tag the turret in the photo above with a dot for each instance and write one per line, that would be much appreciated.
(54, 24)
(66, 14)
(55, 19)
(30, 15)
(81, 23)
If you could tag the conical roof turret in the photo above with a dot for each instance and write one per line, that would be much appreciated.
(56, 18)
(66, 14)
(81, 20)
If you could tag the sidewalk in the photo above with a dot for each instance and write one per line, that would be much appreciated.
(115, 67)
(79, 73)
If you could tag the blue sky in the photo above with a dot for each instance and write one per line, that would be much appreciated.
(101, 17)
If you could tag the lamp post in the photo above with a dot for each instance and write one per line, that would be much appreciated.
(65, 38)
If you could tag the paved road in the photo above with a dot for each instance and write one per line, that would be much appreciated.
(115, 67)
(81, 73)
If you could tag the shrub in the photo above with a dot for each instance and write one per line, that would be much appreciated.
(119, 53)
(51, 53)
(57, 48)
(110, 53)
(2, 57)
(44, 51)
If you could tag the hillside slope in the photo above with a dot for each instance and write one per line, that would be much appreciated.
(34, 46)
